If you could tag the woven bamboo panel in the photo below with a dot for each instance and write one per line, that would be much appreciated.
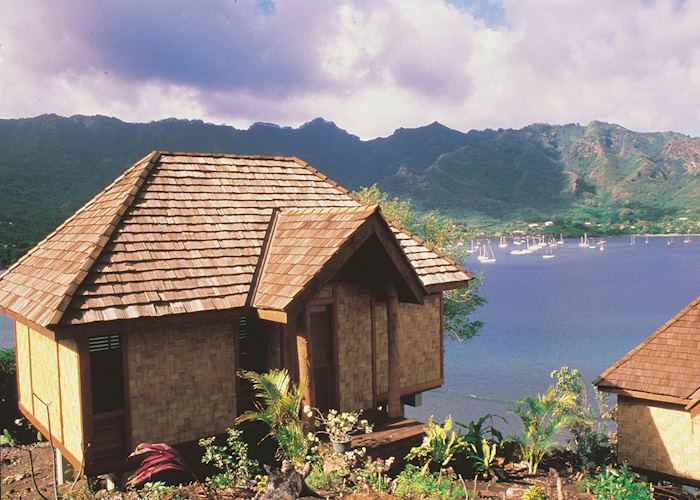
(70, 397)
(23, 365)
(181, 382)
(354, 347)
(44, 363)
(656, 438)
(419, 343)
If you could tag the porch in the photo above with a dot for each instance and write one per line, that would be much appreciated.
(392, 437)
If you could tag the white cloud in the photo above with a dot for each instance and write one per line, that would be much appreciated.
(369, 66)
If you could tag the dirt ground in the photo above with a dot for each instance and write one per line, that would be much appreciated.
(16, 482)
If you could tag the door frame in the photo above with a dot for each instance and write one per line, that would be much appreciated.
(331, 304)
(88, 415)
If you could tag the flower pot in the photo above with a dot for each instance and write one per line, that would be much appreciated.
(341, 447)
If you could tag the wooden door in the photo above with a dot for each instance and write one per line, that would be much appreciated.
(109, 426)
(323, 355)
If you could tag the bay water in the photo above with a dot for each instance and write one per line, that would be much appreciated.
(584, 308)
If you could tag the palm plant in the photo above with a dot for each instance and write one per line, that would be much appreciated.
(278, 406)
(541, 421)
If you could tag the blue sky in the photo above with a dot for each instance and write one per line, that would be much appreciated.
(371, 66)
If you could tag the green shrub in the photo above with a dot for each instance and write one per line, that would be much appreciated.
(278, 406)
(414, 482)
(535, 493)
(618, 484)
(231, 459)
(541, 422)
(321, 481)
(483, 428)
(159, 491)
(587, 425)
(8, 389)
(440, 445)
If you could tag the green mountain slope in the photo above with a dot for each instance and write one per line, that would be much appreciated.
(50, 165)
(602, 173)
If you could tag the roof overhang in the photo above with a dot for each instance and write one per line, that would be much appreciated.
(647, 396)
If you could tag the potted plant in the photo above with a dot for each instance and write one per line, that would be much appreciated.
(339, 426)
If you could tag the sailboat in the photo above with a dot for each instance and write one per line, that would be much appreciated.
(471, 247)
(687, 239)
(548, 254)
(646, 241)
(502, 243)
(591, 243)
(486, 254)
(561, 239)
(584, 241)
(633, 240)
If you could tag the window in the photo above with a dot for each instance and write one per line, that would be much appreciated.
(106, 373)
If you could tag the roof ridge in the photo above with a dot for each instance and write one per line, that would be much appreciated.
(262, 260)
(72, 217)
(328, 210)
(146, 164)
(627, 357)
(198, 154)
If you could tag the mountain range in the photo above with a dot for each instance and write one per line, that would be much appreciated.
(575, 175)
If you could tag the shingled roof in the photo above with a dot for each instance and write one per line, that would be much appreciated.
(184, 232)
(665, 367)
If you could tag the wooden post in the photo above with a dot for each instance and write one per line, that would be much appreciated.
(392, 323)
(305, 362)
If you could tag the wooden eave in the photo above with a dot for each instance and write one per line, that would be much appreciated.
(647, 396)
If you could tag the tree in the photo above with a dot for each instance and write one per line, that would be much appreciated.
(441, 234)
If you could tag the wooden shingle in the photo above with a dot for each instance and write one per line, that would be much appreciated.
(666, 365)
(182, 232)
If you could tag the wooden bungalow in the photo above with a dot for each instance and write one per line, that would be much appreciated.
(658, 392)
(133, 317)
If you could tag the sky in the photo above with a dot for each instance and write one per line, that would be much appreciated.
(371, 66)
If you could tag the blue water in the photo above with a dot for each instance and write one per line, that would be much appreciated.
(584, 308)
(6, 332)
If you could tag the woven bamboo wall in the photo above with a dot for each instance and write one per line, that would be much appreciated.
(44, 365)
(661, 439)
(38, 362)
(23, 365)
(419, 343)
(181, 382)
(69, 363)
(354, 325)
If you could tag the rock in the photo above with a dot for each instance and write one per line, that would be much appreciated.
(513, 492)
(283, 484)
